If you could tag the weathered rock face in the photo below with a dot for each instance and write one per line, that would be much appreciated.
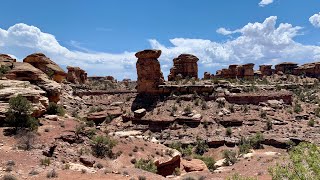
(194, 165)
(149, 72)
(186, 65)
(256, 98)
(266, 70)
(6, 60)
(207, 76)
(26, 72)
(309, 70)
(286, 67)
(237, 71)
(11, 88)
(47, 66)
(166, 166)
(76, 75)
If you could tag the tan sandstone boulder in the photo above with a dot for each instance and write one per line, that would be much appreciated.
(47, 66)
(194, 165)
(26, 72)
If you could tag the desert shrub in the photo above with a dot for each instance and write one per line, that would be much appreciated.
(19, 114)
(244, 146)
(146, 164)
(297, 108)
(269, 125)
(311, 122)
(256, 140)
(245, 108)
(4, 70)
(263, 114)
(201, 147)
(238, 177)
(187, 109)
(231, 108)
(9, 177)
(304, 164)
(26, 140)
(230, 157)
(204, 105)
(54, 108)
(142, 178)
(187, 151)
(95, 109)
(45, 162)
(177, 172)
(209, 161)
(52, 174)
(102, 146)
(228, 131)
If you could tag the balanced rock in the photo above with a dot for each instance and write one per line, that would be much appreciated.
(46, 65)
(149, 72)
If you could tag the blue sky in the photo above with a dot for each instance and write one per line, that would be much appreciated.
(102, 36)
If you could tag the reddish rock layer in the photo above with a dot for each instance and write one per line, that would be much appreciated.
(184, 65)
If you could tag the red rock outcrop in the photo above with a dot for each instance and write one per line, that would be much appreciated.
(237, 71)
(266, 70)
(6, 60)
(149, 71)
(167, 165)
(207, 76)
(76, 75)
(309, 69)
(186, 65)
(286, 67)
(256, 98)
(47, 66)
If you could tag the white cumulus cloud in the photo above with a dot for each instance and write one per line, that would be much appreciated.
(265, 2)
(21, 40)
(315, 20)
(258, 42)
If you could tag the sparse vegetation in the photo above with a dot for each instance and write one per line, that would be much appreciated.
(269, 125)
(304, 164)
(297, 108)
(311, 122)
(201, 147)
(19, 114)
(209, 161)
(102, 146)
(54, 108)
(230, 157)
(146, 164)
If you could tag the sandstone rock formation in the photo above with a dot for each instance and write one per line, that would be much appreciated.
(286, 67)
(207, 76)
(166, 166)
(237, 71)
(266, 70)
(6, 60)
(186, 65)
(149, 72)
(309, 70)
(26, 72)
(76, 75)
(46, 65)
(11, 88)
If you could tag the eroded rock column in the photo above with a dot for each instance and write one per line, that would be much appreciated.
(185, 65)
(149, 71)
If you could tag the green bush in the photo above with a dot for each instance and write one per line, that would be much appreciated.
(201, 147)
(4, 70)
(53, 108)
(209, 161)
(19, 114)
(230, 157)
(297, 108)
(311, 122)
(238, 177)
(256, 140)
(228, 131)
(304, 164)
(146, 164)
(102, 146)
(269, 125)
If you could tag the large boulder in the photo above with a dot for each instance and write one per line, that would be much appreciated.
(26, 72)
(100, 117)
(194, 165)
(167, 165)
(47, 66)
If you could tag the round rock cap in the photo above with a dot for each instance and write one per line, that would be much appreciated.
(148, 54)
